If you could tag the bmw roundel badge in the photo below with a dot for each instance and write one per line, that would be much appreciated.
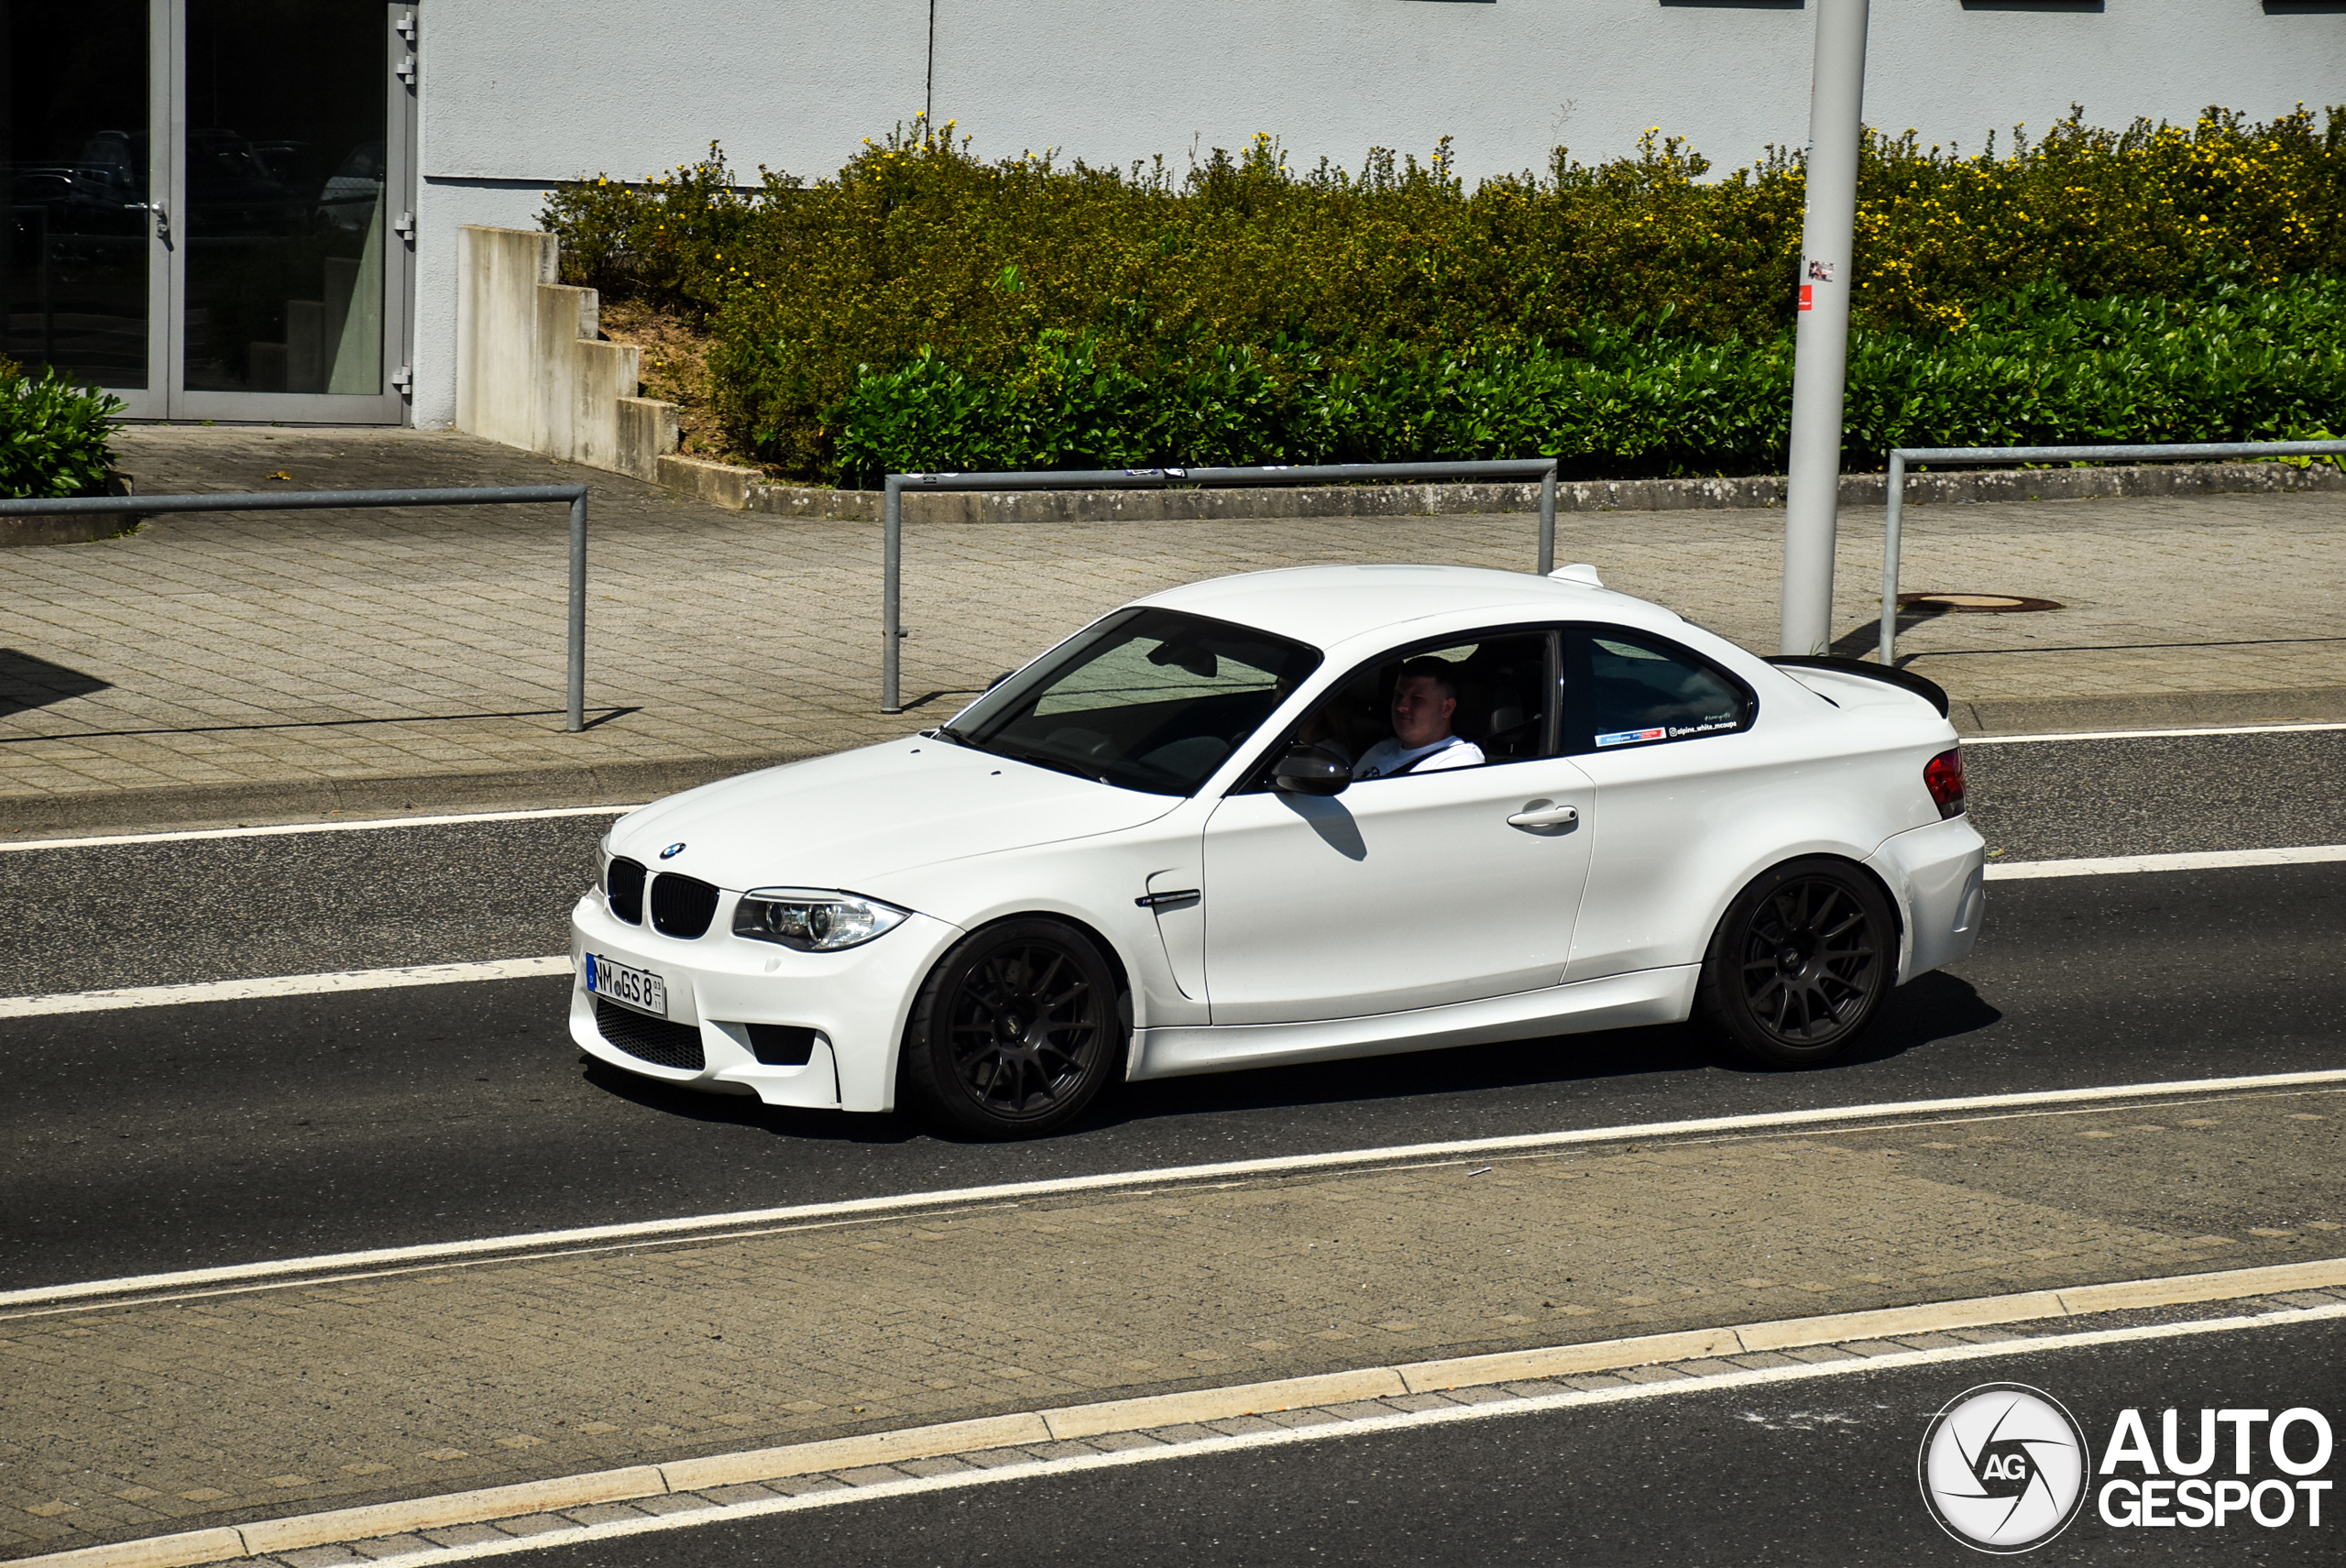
(672, 852)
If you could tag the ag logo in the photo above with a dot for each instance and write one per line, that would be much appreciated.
(2003, 1468)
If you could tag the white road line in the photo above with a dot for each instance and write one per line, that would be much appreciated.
(275, 829)
(648, 1230)
(281, 985)
(526, 968)
(379, 823)
(1201, 1448)
(2122, 865)
(2146, 734)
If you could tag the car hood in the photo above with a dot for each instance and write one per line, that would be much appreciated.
(849, 819)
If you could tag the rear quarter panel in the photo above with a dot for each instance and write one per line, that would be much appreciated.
(1681, 827)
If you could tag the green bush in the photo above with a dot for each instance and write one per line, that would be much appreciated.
(2042, 366)
(53, 436)
(924, 309)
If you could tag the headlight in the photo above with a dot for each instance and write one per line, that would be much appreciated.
(812, 920)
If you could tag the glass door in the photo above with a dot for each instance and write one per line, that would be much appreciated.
(82, 276)
(290, 266)
(208, 203)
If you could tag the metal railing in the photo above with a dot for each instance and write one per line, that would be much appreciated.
(324, 500)
(892, 570)
(1983, 455)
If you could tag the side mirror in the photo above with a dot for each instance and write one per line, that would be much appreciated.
(1311, 770)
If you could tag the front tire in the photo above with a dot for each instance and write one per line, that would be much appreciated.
(1801, 964)
(1015, 1031)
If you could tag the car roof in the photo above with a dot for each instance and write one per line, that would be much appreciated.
(1325, 605)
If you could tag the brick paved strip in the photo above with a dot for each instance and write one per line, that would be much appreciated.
(865, 1460)
(122, 1420)
(240, 668)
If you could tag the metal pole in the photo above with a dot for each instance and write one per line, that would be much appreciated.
(892, 557)
(1896, 507)
(1820, 362)
(577, 719)
(1548, 520)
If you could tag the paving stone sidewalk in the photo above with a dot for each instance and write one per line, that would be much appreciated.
(119, 1420)
(326, 651)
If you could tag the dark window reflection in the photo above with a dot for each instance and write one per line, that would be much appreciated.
(285, 225)
(73, 156)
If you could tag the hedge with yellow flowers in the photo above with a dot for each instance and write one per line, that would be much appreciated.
(923, 308)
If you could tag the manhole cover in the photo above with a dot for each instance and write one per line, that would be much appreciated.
(1974, 604)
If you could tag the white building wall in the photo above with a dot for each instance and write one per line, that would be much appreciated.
(515, 100)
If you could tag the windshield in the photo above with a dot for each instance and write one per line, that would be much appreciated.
(1147, 699)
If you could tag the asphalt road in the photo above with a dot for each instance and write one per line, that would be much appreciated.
(175, 1137)
(1814, 1471)
(201, 909)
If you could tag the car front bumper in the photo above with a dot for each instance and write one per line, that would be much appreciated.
(718, 984)
(1938, 875)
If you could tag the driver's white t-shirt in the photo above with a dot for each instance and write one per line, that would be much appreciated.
(1390, 755)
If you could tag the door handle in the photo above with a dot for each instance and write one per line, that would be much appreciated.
(1543, 814)
(162, 217)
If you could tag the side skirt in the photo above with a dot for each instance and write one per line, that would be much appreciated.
(1615, 1002)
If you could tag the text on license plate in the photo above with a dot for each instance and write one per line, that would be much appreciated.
(636, 988)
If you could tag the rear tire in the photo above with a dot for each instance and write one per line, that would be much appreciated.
(1801, 964)
(1015, 1032)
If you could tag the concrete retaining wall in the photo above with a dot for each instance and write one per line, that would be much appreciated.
(532, 371)
(745, 489)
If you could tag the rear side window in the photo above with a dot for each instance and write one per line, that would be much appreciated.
(1629, 688)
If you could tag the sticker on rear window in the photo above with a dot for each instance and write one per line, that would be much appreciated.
(1625, 736)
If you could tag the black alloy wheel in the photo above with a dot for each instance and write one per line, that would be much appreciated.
(1015, 1031)
(1801, 964)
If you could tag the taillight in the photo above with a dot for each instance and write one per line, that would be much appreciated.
(1942, 776)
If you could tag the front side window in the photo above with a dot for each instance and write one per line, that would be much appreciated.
(1460, 705)
(1147, 699)
(1629, 689)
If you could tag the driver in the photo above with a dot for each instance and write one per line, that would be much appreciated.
(1424, 699)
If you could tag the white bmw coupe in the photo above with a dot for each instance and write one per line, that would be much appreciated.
(1291, 817)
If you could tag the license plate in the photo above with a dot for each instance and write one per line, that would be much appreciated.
(636, 988)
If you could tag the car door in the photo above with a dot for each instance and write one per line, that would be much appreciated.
(1408, 891)
(1665, 735)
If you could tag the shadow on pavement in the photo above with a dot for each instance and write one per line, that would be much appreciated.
(1935, 1008)
(28, 681)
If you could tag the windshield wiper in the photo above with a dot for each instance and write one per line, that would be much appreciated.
(1055, 764)
(947, 732)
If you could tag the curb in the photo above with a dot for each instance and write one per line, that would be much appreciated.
(229, 1542)
(747, 489)
(2153, 711)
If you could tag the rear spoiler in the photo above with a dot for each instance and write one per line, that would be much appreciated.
(1930, 691)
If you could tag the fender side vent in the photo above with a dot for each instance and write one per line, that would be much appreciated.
(781, 1045)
